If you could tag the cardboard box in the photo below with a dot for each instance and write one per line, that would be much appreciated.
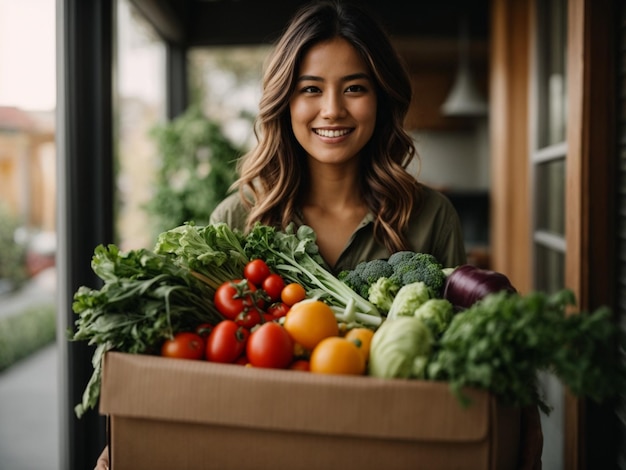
(182, 414)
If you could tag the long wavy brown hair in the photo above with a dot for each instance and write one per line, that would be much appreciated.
(273, 177)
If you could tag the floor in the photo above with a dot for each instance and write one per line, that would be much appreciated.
(29, 422)
(29, 398)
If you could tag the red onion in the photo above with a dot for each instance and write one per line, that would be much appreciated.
(468, 284)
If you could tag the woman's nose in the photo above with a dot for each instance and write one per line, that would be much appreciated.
(332, 106)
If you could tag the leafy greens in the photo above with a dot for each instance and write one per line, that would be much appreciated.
(145, 299)
(502, 341)
(294, 254)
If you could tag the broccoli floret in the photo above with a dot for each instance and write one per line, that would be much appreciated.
(382, 292)
(359, 267)
(375, 269)
(422, 267)
(409, 263)
(404, 267)
(365, 274)
(354, 281)
(429, 274)
(396, 279)
(408, 299)
(343, 274)
(437, 314)
(400, 257)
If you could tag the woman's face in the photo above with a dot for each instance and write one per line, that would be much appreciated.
(333, 107)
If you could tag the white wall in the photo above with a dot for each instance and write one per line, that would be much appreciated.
(454, 160)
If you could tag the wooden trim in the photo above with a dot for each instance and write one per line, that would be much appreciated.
(590, 185)
(577, 211)
(591, 162)
(576, 188)
(509, 89)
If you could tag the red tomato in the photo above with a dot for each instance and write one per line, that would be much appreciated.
(233, 297)
(268, 317)
(204, 330)
(273, 286)
(242, 360)
(248, 318)
(300, 364)
(184, 345)
(256, 271)
(278, 309)
(227, 342)
(270, 346)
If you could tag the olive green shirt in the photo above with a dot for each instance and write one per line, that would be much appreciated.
(435, 228)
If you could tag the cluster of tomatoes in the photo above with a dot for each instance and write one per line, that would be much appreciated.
(269, 323)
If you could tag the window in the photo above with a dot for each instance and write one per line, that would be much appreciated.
(226, 82)
(549, 148)
(548, 155)
(139, 104)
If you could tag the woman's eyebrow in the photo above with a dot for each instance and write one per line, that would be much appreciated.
(347, 78)
(310, 78)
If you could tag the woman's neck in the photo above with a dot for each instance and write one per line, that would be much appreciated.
(334, 208)
(333, 187)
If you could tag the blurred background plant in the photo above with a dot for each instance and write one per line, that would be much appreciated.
(25, 332)
(196, 171)
(13, 271)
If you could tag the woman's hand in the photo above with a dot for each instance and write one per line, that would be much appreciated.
(103, 460)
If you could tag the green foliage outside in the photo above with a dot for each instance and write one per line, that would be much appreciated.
(12, 254)
(198, 168)
(26, 332)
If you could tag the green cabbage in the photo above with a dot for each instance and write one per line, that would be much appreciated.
(436, 313)
(408, 299)
(401, 348)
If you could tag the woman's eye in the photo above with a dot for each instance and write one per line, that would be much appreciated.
(356, 89)
(310, 89)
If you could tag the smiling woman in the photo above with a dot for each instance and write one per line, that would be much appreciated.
(333, 152)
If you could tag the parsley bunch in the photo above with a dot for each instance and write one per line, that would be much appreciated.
(504, 340)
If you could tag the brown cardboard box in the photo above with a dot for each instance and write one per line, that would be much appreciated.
(180, 414)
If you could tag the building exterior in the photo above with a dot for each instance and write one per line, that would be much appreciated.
(28, 167)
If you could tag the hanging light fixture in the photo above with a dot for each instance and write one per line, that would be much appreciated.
(464, 98)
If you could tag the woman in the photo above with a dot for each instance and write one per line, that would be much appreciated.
(332, 149)
(333, 154)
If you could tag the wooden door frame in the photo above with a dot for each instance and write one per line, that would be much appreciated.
(591, 183)
(591, 192)
(509, 143)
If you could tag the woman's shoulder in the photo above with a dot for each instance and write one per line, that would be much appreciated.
(435, 228)
(231, 211)
(433, 199)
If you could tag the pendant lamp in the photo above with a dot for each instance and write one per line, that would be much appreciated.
(464, 99)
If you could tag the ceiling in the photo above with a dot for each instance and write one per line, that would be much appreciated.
(237, 22)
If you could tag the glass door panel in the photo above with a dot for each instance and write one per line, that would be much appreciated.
(548, 161)
(139, 104)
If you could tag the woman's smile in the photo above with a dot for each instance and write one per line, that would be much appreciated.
(332, 133)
